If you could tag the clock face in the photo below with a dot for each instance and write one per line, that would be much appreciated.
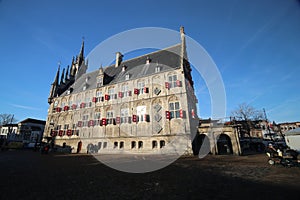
(55, 103)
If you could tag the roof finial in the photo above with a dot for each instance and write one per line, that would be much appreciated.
(182, 30)
(101, 70)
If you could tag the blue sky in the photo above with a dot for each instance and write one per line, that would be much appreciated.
(255, 45)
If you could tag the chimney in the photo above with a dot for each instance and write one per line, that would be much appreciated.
(119, 57)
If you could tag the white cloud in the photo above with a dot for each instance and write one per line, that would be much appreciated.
(24, 107)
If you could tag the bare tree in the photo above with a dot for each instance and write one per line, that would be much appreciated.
(246, 112)
(7, 119)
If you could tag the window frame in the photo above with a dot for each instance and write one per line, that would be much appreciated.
(174, 111)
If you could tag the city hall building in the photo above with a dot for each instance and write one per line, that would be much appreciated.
(142, 105)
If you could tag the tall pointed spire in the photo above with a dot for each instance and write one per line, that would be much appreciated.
(57, 75)
(183, 45)
(67, 73)
(81, 53)
(73, 68)
(184, 59)
(54, 86)
(62, 76)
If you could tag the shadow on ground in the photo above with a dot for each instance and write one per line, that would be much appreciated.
(30, 175)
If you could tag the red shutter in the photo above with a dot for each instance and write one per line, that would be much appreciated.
(193, 113)
(74, 106)
(168, 116)
(53, 133)
(118, 120)
(136, 91)
(82, 105)
(91, 123)
(146, 90)
(66, 108)
(94, 99)
(106, 97)
(69, 132)
(120, 94)
(133, 118)
(104, 121)
(181, 113)
(178, 83)
(167, 84)
(79, 124)
(58, 109)
(60, 133)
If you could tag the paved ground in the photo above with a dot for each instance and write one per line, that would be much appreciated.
(30, 175)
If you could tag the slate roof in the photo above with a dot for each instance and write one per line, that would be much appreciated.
(167, 59)
(36, 121)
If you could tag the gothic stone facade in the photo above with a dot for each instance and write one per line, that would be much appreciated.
(143, 105)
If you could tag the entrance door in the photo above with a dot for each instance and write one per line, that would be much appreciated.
(201, 144)
(224, 145)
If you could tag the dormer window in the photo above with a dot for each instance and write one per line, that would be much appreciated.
(124, 67)
(157, 69)
(127, 76)
(99, 81)
(85, 86)
(69, 90)
(148, 60)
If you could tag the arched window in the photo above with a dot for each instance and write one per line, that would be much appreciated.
(154, 144)
(140, 144)
(133, 144)
(162, 143)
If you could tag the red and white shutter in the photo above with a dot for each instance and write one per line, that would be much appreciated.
(134, 118)
(104, 121)
(136, 91)
(168, 115)
(167, 85)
